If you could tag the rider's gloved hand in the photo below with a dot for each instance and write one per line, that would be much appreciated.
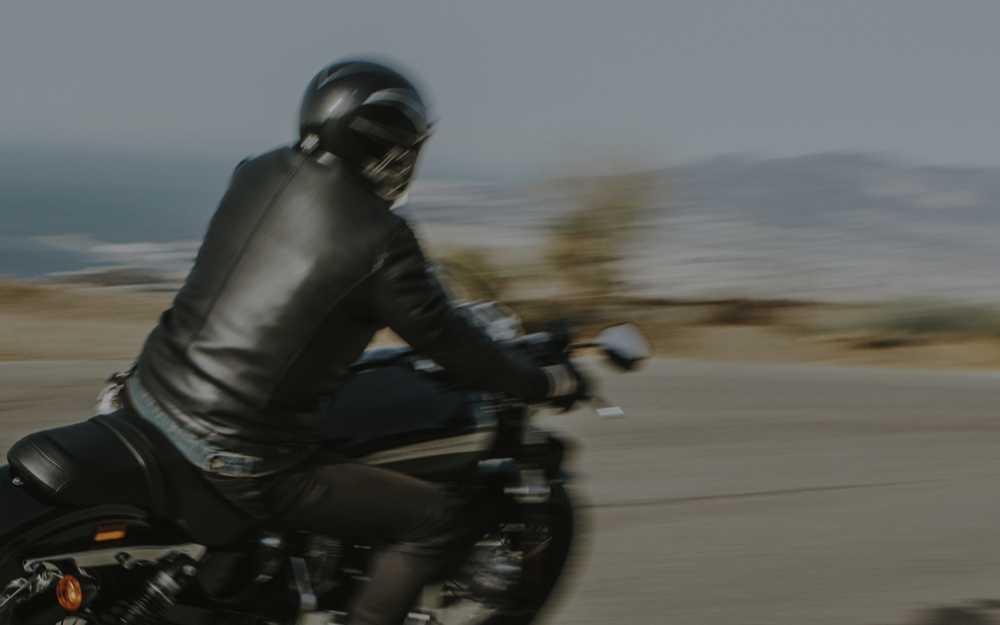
(561, 334)
(566, 385)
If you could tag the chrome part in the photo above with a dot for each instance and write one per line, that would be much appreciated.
(323, 618)
(497, 569)
(128, 562)
(17, 480)
(494, 466)
(489, 575)
(307, 599)
(466, 443)
(427, 366)
(272, 542)
(43, 579)
(534, 488)
(13, 592)
(44, 575)
(416, 618)
(159, 593)
(137, 555)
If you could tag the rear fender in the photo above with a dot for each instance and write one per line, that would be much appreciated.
(30, 528)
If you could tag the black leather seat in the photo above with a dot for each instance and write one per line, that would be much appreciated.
(122, 459)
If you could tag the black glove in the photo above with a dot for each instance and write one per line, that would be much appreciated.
(561, 334)
(566, 385)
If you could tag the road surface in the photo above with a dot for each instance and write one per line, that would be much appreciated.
(745, 495)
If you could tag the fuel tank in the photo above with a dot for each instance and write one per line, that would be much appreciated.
(410, 422)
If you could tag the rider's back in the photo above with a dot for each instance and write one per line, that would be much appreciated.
(276, 307)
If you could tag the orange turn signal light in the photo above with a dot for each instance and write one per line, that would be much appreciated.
(110, 532)
(69, 593)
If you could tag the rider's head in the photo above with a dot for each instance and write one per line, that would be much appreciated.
(371, 117)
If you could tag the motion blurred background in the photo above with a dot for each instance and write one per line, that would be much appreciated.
(760, 182)
(823, 176)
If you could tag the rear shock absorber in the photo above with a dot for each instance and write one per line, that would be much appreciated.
(158, 594)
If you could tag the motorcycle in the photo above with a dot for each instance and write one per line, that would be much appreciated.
(104, 522)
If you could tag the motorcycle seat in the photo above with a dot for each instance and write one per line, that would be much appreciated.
(121, 459)
(80, 464)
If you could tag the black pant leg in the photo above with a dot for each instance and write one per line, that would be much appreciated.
(416, 523)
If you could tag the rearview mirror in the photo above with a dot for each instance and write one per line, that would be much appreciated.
(624, 344)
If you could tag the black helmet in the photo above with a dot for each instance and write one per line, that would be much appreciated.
(370, 116)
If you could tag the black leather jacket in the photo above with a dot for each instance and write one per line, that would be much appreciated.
(301, 265)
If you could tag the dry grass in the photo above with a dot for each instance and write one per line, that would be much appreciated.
(52, 323)
(775, 332)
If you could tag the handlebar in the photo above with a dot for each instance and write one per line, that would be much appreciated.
(541, 347)
(536, 345)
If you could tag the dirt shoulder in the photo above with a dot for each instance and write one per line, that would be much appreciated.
(58, 323)
(62, 323)
(817, 333)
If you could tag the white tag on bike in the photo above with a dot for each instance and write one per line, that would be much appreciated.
(610, 412)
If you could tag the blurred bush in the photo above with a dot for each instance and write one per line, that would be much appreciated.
(579, 274)
(922, 318)
(479, 274)
(586, 246)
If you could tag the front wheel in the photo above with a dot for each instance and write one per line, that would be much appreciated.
(511, 572)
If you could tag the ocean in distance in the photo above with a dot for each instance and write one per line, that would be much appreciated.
(835, 227)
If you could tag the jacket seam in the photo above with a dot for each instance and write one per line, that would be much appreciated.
(286, 366)
(243, 252)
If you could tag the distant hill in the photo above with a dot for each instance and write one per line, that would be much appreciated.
(826, 226)
(839, 227)
(829, 188)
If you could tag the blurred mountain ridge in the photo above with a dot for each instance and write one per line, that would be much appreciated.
(828, 226)
(799, 191)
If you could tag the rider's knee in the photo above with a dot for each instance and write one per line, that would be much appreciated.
(444, 523)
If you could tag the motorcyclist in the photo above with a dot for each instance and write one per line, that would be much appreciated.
(302, 263)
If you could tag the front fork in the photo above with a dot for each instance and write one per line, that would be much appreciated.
(529, 471)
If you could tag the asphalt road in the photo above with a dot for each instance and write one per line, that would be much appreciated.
(745, 495)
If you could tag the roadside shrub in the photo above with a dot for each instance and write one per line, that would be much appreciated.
(921, 318)
(479, 275)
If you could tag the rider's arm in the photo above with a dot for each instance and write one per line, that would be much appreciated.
(416, 308)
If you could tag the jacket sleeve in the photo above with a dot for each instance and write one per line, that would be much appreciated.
(416, 308)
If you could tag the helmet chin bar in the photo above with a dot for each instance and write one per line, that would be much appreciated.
(391, 175)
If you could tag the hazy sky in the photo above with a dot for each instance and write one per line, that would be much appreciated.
(521, 88)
